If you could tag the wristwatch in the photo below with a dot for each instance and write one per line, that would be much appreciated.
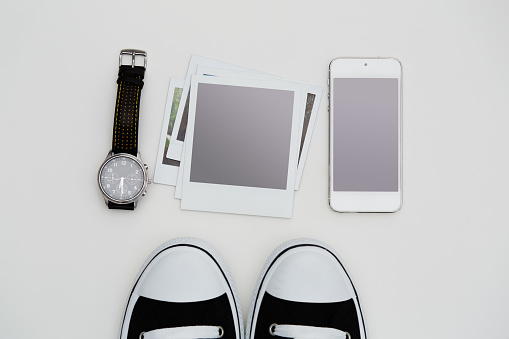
(123, 177)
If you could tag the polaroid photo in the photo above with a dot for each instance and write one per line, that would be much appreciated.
(179, 129)
(228, 167)
(313, 98)
(228, 73)
(166, 170)
(311, 104)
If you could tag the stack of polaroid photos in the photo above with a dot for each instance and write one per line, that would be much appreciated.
(235, 140)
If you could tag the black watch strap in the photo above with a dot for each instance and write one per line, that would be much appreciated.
(114, 206)
(127, 107)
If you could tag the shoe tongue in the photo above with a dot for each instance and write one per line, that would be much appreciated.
(151, 314)
(288, 312)
(345, 318)
(219, 313)
(339, 315)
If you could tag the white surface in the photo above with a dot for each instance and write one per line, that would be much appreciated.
(440, 265)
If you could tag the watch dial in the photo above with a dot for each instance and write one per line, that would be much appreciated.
(122, 178)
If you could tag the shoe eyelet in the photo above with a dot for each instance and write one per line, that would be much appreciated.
(272, 329)
(221, 331)
(348, 336)
(141, 335)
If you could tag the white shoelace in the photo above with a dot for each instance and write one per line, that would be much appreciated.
(307, 332)
(186, 332)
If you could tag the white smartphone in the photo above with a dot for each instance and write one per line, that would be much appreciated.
(365, 167)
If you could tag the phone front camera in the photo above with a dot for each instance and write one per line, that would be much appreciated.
(365, 64)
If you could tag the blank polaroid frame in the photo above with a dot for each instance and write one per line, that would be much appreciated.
(229, 72)
(166, 170)
(179, 129)
(243, 74)
(232, 170)
(311, 102)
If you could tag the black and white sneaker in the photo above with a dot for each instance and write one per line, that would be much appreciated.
(305, 292)
(183, 290)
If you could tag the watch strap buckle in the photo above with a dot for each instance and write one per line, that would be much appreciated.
(133, 53)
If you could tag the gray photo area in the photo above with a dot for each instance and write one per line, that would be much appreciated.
(242, 136)
(365, 134)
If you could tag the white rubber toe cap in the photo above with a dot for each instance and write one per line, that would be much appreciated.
(182, 274)
(309, 274)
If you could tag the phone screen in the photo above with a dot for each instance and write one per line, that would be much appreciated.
(365, 134)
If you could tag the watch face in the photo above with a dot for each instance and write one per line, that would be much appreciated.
(122, 178)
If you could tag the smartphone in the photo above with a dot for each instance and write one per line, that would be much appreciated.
(365, 135)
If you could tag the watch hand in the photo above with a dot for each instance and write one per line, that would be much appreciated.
(121, 186)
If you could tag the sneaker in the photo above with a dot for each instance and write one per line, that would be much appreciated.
(305, 292)
(183, 290)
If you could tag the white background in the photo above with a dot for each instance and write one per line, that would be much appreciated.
(438, 268)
